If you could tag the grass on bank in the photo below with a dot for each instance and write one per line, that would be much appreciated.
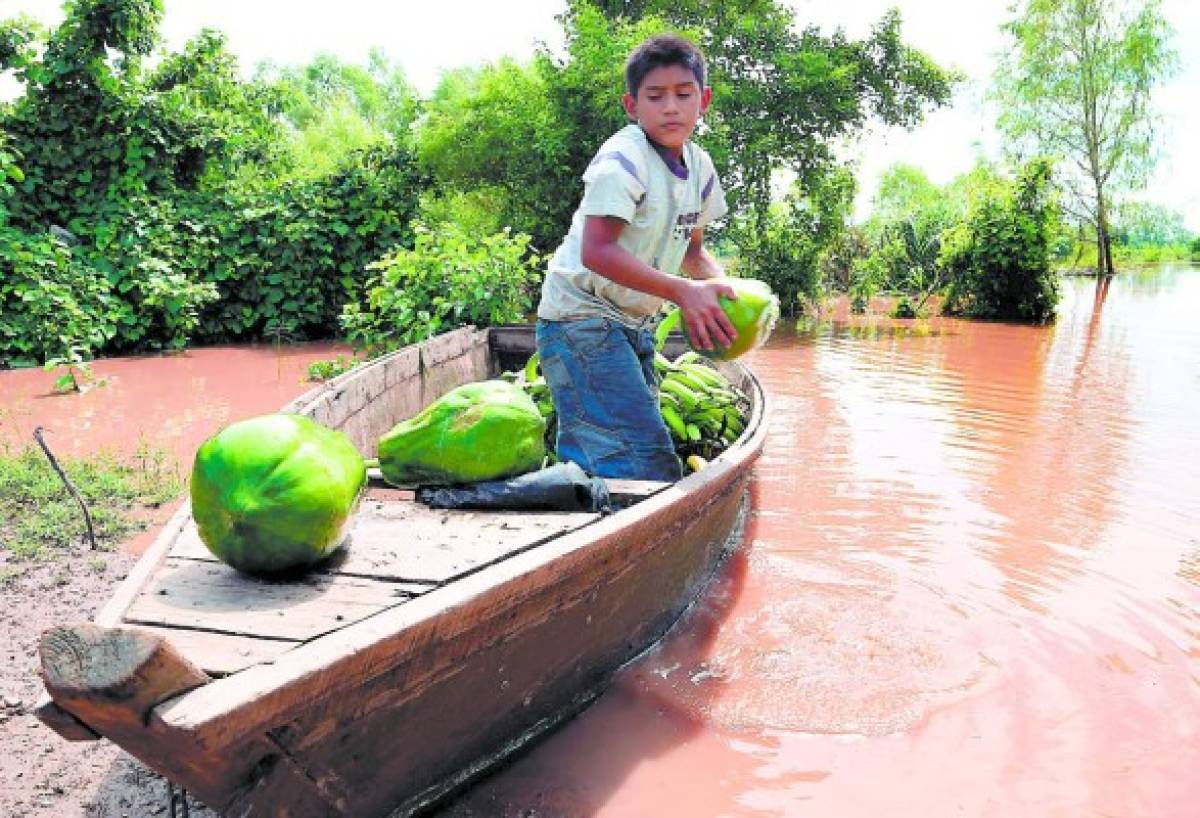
(1085, 258)
(40, 519)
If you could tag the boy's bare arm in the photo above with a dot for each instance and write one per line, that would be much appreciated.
(697, 299)
(697, 261)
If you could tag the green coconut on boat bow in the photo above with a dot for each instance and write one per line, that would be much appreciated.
(275, 492)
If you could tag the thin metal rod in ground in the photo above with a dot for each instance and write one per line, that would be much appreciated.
(87, 515)
(181, 795)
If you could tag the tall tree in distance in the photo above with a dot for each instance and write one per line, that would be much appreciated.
(1076, 84)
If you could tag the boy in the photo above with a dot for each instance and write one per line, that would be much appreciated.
(648, 195)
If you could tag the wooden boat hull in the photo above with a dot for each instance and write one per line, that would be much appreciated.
(388, 714)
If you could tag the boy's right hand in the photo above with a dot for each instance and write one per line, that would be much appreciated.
(707, 324)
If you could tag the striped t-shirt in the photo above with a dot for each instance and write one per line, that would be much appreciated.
(661, 199)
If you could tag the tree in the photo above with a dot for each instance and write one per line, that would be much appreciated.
(798, 236)
(1076, 84)
(1142, 224)
(998, 259)
(333, 109)
(783, 96)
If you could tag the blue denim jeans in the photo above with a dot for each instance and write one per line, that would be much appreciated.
(601, 376)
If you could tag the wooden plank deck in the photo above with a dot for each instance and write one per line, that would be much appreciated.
(224, 621)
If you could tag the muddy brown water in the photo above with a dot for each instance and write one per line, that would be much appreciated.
(970, 582)
(970, 587)
(170, 402)
(167, 404)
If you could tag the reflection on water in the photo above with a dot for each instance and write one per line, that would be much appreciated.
(971, 586)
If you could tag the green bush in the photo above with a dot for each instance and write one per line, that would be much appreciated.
(998, 260)
(52, 304)
(285, 261)
(178, 182)
(449, 279)
(788, 248)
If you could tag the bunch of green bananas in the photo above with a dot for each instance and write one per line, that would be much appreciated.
(539, 392)
(703, 409)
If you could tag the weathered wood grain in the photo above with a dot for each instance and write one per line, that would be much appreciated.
(110, 678)
(400, 540)
(221, 654)
(210, 596)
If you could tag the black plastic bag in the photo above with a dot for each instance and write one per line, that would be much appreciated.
(562, 487)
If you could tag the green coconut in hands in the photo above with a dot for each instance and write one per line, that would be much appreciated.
(478, 431)
(753, 314)
(275, 492)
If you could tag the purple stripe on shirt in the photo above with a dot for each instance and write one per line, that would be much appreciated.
(708, 186)
(677, 167)
(622, 159)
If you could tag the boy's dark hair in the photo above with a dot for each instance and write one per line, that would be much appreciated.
(660, 50)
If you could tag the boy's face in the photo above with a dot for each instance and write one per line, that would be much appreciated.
(668, 105)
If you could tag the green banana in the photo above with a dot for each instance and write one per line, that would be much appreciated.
(674, 423)
(687, 398)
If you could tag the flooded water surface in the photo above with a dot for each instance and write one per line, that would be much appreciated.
(970, 581)
(169, 402)
(162, 406)
(970, 586)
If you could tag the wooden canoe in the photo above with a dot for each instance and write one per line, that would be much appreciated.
(430, 648)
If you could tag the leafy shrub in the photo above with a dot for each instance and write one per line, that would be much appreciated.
(288, 259)
(998, 260)
(326, 370)
(178, 181)
(450, 278)
(52, 304)
(788, 248)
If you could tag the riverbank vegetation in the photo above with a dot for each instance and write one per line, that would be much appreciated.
(39, 519)
(149, 200)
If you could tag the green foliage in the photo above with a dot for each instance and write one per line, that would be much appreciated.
(288, 259)
(494, 128)
(450, 278)
(325, 370)
(181, 189)
(52, 305)
(905, 232)
(1143, 224)
(38, 516)
(1076, 84)
(379, 93)
(905, 194)
(333, 109)
(788, 248)
(998, 259)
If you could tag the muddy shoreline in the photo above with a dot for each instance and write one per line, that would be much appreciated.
(41, 774)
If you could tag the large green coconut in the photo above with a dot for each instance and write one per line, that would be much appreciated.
(478, 431)
(753, 314)
(275, 492)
